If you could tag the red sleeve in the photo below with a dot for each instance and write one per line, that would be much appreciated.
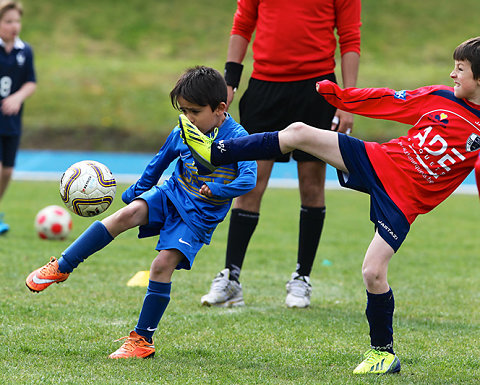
(245, 18)
(347, 13)
(380, 103)
(477, 174)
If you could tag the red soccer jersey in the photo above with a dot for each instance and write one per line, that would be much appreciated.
(295, 40)
(421, 169)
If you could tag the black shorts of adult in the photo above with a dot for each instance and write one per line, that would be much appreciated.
(8, 149)
(271, 106)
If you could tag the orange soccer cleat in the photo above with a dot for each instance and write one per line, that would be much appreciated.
(135, 346)
(43, 277)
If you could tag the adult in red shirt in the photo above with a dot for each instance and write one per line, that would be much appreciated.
(293, 49)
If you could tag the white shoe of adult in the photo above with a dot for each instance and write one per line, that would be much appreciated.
(298, 291)
(224, 292)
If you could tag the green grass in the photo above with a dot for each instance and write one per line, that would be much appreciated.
(64, 335)
(105, 68)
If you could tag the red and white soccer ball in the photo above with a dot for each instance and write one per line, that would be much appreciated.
(53, 222)
(87, 188)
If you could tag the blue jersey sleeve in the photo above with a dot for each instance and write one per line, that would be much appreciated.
(154, 170)
(243, 183)
(30, 75)
(246, 177)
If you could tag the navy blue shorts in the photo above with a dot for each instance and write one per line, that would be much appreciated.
(8, 149)
(164, 220)
(391, 223)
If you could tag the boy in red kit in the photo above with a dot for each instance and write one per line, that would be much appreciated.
(404, 177)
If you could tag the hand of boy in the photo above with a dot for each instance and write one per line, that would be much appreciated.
(205, 190)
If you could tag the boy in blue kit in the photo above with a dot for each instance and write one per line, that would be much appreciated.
(18, 82)
(184, 210)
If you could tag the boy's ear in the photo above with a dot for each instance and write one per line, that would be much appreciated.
(221, 108)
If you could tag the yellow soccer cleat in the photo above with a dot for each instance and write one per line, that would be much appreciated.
(378, 362)
(199, 144)
(135, 346)
(43, 277)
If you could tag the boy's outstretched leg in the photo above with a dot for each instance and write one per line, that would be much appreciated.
(94, 238)
(322, 144)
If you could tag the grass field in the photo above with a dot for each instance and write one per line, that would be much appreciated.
(64, 335)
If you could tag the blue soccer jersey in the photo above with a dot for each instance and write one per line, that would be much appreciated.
(202, 214)
(16, 69)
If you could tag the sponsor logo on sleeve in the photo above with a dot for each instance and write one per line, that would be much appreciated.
(402, 95)
(473, 143)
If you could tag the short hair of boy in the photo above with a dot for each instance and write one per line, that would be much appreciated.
(7, 5)
(200, 85)
(469, 50)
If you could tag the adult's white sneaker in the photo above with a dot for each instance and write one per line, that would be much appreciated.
(299, 291)
(224, 292)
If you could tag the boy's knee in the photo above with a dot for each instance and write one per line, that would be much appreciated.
(295, 128)
(372, 275)
(158, 266)
(162, 264)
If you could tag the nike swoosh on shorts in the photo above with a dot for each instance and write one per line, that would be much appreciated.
(185, 243)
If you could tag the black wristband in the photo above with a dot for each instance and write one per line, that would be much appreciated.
(233, 73)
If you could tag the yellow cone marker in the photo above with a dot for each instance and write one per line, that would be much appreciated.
(139, 279)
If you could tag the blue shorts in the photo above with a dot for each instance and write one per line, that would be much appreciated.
(164, 220)
(391, 223)
(8, 149)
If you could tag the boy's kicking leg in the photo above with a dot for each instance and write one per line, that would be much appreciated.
(94, 238)
(139, 344)
(380, 358)
(322, 144)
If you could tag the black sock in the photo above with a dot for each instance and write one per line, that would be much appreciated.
(242, 226)
(251, 147)
(379, 314)
(311, 225)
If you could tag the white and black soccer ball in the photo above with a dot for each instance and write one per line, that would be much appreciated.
(53, 222)
(87, 188)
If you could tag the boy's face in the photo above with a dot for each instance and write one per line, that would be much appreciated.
(10, 25)
(466, 87)
(202, 116)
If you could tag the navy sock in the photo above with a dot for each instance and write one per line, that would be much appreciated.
(94, 238)
(379, 314)
(252, 147)
(154, 305)
(311, 225)
(242, 226)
